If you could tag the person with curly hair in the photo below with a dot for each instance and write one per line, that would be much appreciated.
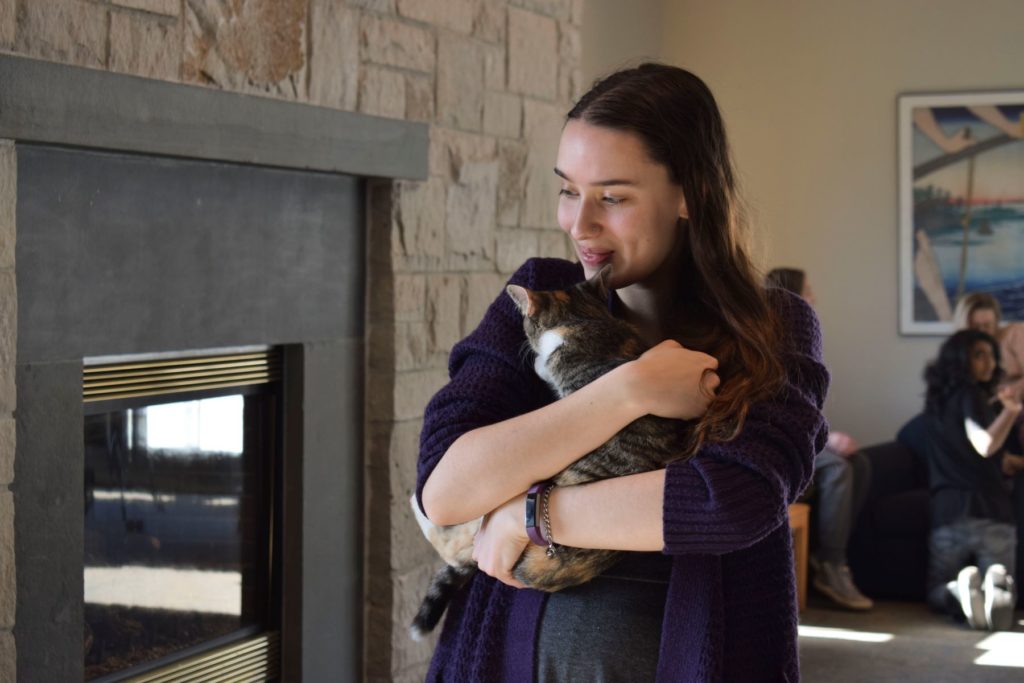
(971, 512)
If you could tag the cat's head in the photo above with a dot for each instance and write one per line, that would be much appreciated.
(573, 322)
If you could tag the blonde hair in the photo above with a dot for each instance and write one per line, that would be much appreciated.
(971, 302)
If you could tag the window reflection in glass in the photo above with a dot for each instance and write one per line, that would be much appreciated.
(176, 526)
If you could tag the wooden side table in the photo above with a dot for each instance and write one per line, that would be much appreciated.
(800, 525)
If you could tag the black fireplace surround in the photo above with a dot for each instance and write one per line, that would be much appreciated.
(156, 217)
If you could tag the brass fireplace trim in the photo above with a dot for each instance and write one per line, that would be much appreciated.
(165, 376)
(253, 659)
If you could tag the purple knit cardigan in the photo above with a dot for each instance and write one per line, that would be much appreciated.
(731, 612)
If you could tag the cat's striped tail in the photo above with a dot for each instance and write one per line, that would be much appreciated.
(446, 582)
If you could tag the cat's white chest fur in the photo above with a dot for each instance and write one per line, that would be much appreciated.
(548, 342)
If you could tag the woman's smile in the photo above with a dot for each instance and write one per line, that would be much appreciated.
(593, 258)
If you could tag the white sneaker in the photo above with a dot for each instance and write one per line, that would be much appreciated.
(835, 582)
(972, 602)
(999, 598)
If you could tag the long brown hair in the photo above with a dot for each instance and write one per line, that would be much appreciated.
(719, 295)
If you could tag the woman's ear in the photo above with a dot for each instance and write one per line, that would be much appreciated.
(683, 212)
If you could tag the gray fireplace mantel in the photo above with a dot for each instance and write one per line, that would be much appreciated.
(53, 103)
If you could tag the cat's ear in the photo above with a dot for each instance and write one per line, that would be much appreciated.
(522, 298)
(599, 282)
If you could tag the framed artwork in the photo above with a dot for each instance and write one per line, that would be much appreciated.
(961, 167)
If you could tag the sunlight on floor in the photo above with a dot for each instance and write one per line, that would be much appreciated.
(1004, 649)
(844, 634)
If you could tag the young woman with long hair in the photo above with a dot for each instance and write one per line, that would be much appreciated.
(707, 591)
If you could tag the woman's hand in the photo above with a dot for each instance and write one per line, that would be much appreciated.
(1012, 464)
(1010, 399)
(842, 443)
(672, 381)
(501, 540)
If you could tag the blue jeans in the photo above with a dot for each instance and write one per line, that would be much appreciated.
(951, 547)
(842, 485)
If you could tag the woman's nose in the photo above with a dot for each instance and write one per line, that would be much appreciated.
(584, 224)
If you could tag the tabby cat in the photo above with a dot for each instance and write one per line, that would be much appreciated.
(576, 339)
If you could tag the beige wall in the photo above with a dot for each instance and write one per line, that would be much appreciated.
(809, 91)
(616, 33)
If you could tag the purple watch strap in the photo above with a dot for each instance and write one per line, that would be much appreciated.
(533, 513)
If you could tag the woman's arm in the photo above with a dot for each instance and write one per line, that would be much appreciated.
(624, 513)
(735, 493)
(614, 514)
(1001, 426)
(489, 465)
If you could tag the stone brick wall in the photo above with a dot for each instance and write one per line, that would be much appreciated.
(493, 78)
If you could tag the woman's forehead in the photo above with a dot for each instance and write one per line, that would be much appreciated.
(589, 154)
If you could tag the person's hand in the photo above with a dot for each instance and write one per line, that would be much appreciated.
(1010, 399)
(1012, 464)
(501, 540)
(842, 443)
(672, 381)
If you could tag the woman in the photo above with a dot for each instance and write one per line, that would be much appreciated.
(971, 514)
(981, 311)
(842, 475)
(709, 594)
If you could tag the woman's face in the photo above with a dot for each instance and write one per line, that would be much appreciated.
(983, 361)
(616, 204)
(983, 320)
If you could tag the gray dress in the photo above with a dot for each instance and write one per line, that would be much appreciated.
(607, 630)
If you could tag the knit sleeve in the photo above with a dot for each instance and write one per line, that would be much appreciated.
(491, 372)
(733, 494)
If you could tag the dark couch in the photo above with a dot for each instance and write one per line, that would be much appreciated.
(888, 550)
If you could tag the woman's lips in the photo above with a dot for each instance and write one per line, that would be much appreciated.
(594, 257)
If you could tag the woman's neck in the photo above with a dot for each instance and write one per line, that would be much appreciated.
(652, 308)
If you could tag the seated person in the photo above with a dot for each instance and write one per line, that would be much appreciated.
(841, 477)
(971, 514)
(981, 311)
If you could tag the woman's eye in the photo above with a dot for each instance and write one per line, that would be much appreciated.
(566, 193)
(611, 200)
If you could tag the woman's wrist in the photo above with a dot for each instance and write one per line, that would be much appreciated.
(630, 389)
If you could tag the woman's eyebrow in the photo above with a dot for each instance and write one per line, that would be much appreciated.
(610, 181)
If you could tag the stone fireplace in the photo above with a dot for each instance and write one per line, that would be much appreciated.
(127, 253)
(440, 117)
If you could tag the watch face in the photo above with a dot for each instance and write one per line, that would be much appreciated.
(531, 511)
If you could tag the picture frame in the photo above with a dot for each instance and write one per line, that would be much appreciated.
(961, 205)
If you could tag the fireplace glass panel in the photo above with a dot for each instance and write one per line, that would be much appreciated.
(178, 526)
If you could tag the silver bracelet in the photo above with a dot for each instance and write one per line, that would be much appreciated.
(552, 547)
